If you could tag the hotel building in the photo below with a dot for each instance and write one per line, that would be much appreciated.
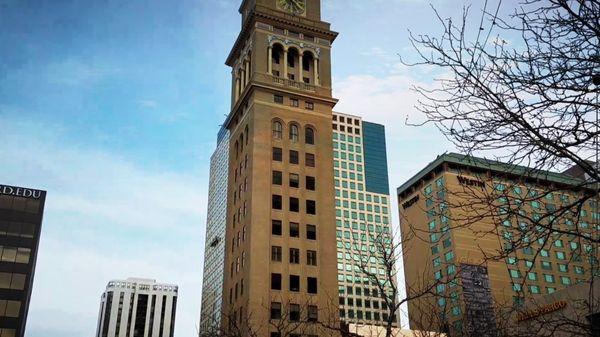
(137, 308)
(461, 210)
(362, 204)
(21, 213)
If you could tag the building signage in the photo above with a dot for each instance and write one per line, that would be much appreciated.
(530, 314)
(20, 192)
(410, 202)
(470, 182)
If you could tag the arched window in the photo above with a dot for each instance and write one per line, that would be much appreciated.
(277, 53)
(293, 57)
(294, 133)
(309, 136)
(246, 132)
(277, 130)
(242, 142)
(237, 149)
(307, 61)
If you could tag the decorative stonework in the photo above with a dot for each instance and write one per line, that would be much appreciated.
(287, 42)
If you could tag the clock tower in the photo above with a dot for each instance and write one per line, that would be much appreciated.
(280, 256)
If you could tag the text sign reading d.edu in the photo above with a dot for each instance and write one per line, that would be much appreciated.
(20, 192)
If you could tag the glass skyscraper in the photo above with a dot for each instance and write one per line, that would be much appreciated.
(362, 215)
(214, 251)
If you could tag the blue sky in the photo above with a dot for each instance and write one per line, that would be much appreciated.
(113, 108)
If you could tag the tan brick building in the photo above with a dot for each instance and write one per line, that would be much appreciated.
(280, 254)
(460, 211)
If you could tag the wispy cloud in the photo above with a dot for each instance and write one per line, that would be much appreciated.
(105, 218)
(148, 103)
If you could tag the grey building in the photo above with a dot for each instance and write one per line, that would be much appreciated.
(137, 308)
(214, 252)
(21, 212)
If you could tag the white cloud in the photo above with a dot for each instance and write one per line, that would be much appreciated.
(148, 103)
(106, 218)
(389, 100)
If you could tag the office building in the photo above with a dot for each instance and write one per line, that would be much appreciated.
(362, 203)
(461, 210)
(216, 223)
(21, 212)
(137, 308)
(280, 254)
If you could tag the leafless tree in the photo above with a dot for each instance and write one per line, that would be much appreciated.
(524, 91)
(232, 324)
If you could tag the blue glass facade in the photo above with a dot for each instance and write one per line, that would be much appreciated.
(376, 172)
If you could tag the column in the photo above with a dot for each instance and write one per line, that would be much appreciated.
(316, 70)
(247, 71)
(299, 76)
(285, 64)
(237, 88)
(270, 66)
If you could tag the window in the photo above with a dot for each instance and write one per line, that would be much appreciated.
(277, 130)
(311, 285)
(278, 99)
(313, 313)
(294, 180)
(294, 284)
(294, 255)
(294, 158)
(309, 136)
(311, 232)
(276, 227)
(275, 310)
(311, 183)
(276, 281)
(311, 257)
(277, 154)
(9, 309)
(311, 207)
(294, 204)
(294, 102)
(276, 201)
(309, 105)
(294, 230)
(310, 160)
(294, 133)
(294, 312)
(277, 178)
(12, 281)
(276, 253)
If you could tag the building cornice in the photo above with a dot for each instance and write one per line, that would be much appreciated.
(269, 16)
(497, 168)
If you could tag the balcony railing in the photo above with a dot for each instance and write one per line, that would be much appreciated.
(293, 84)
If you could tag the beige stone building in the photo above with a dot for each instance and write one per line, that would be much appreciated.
(460, 211)
(280, 255)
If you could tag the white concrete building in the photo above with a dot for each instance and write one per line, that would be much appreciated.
(137, 308)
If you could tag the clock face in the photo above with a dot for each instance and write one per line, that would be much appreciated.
(293, 6)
